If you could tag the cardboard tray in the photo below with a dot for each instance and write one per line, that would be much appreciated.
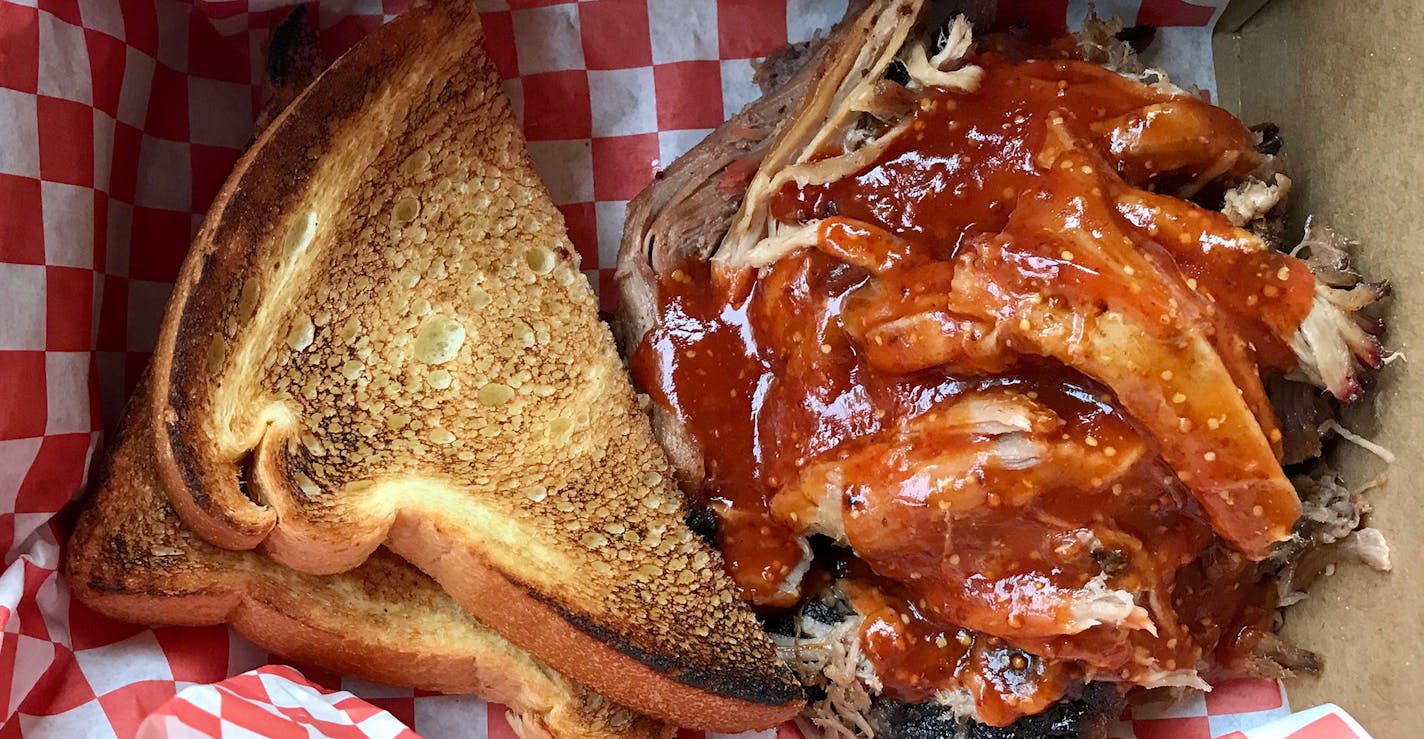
(1342, 81)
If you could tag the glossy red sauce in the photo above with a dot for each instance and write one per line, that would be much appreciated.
(786, 386)
(917, 658)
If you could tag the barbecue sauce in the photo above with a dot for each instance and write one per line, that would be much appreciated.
(779, 380)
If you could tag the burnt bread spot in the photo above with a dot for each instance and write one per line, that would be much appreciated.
(244, 466)
(189, 466)
(754, 679)
(104, 586)
(704, 522)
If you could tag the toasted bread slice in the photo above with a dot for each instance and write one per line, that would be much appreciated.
(382, 328)
(132, 559)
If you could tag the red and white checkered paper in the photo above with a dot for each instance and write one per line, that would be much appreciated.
(120, 119)
(272, 701)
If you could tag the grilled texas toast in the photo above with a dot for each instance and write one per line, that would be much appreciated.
(131, 558)
(381, 335)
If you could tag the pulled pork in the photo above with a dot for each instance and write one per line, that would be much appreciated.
(853, 91)
(1338, 345)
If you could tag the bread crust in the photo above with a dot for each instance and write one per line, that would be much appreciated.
(542, 625)
(130, 558)
(588, 517)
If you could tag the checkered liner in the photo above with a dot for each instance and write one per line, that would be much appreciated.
(271, 701)
(120, 119)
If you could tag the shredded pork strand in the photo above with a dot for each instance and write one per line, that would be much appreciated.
(1155, 678)
(954, 41)
(1333, 426)
(780, 240)
(1098, 604)
(828, 656)
(823, 171)
(834, 110)
(946, 67)
(960, 702)
(791, 586)
(1253, 199)
(1337, 344)
(1368, 546)
(1098, 43)
(1330, 521)
(1329, 510)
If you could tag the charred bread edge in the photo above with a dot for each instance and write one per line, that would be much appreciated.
(681, 697)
